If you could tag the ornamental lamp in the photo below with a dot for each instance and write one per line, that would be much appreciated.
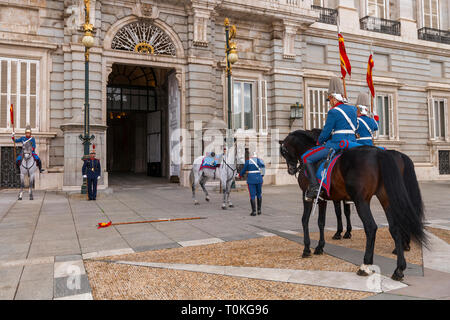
(88, 40)
(232, 55)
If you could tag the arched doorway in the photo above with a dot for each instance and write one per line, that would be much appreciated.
(143, 65)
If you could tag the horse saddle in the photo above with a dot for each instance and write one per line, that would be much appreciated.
(211, 162)
(328, 165)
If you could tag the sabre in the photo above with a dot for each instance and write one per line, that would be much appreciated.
(324, 174)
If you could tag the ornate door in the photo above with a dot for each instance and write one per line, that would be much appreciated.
(9, 177)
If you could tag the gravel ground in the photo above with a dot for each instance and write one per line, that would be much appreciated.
(441, 233)
(383, 244)
(118, 282)
(266, 252)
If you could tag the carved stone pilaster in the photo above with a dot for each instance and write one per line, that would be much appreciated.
(290, 31)
(201, 19)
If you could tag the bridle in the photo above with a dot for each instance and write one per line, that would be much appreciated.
(229, 167)
(298, 164)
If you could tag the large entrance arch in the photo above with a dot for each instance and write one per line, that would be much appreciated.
(143, 69)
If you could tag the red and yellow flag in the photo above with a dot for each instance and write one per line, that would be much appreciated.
(369, 78)
(11, 112)
(345, 62)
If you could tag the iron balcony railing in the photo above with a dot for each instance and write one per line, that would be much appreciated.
(327, 15)
(435, 35)
(380, 25)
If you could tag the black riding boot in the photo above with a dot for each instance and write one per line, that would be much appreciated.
(40, 166)
(259, 202)
(252, 202)
(313, 188)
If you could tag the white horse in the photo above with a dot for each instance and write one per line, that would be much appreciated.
(28, 167)
(226, 173)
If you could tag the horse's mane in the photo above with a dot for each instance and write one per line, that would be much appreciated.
(312, 135)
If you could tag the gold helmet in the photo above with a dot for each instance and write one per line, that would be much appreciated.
(28, 129)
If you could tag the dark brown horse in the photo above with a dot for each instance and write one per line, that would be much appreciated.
(358, 175)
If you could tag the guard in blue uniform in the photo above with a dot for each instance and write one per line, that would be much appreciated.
(92, 171)
(338, 133)
(256, 169)
(366, 125)
(24, 139)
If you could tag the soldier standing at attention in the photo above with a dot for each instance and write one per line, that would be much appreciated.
(255, 168)
(366, 125)
(92, 171)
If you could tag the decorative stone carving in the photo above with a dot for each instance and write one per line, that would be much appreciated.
(145, 10)
(74, 15)
(143, 37)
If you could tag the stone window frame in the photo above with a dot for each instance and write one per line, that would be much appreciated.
(432, 116)
(27, 95)
(257, 77)
(42, 54)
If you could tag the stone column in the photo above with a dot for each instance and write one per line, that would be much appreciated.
(404, 13)
(348, 17)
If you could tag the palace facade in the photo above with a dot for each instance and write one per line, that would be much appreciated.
(157, 69)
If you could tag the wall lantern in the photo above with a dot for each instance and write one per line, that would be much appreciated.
(296, 113)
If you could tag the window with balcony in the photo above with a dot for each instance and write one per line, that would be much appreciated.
(430, 13)
(326, 15)
(430, 30)
(377, 18)
(19, 86)
(377, 9)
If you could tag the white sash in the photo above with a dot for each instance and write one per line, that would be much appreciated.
(346, 118)
(259, 170)
(366, 125)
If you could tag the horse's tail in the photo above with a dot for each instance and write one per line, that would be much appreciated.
(401, 206)
(412, 186)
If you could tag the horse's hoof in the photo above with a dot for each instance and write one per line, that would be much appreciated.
(306, 254)
(406, 248)
(362, 273)
(20, 199)
(318, 251)
(207, 199)
(397, 276)
(31, 198)
(347, 235)
(196, 203)
(224, 207)
(231, 205)
(337, 236)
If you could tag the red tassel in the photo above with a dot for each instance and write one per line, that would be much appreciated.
(104, 225)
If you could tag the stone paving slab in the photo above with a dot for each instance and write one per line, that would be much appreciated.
(41, 289)
(437, 256)
(332, 279)
(70, 286)
(386, 265)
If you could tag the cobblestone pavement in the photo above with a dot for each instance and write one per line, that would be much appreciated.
(43, 242)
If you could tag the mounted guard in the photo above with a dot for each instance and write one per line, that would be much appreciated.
(366, 125)
(25, 139)
(337, 134)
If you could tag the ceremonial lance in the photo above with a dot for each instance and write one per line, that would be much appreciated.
(11, 111)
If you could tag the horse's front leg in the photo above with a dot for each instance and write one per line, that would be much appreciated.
(194, 186)
(225, 196)
(22, 183)
(338, 211)
(348, 233)
(229, 203)
(321, 223)
(307, 206)
(202, 184)
(30, 192)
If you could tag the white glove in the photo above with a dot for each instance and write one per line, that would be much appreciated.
(13, 135)
(237, 175)
(85, 176)
(98, 178)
